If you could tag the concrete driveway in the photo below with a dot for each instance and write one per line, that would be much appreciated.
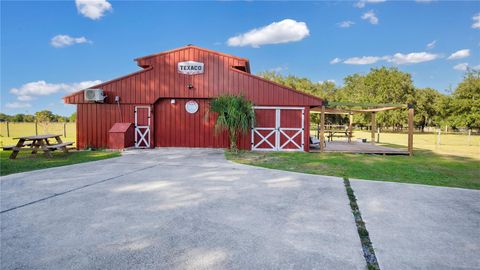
(421, 227)
(175, 209)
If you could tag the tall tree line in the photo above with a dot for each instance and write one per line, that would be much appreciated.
(41, 116)
(460, 109)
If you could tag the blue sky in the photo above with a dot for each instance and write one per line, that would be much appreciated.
(51, 48)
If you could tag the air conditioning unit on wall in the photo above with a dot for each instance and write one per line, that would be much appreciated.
(95, 95)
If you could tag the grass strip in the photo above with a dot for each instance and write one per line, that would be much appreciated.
(367, 246)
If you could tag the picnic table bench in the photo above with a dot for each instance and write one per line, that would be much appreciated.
(38, 143)
(331, 134)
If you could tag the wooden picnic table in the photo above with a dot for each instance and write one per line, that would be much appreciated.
(38, 143)
(331, 134)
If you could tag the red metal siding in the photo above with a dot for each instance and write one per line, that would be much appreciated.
(94, 121)
(175, 127)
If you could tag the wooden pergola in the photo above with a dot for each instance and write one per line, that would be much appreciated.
(352, 108)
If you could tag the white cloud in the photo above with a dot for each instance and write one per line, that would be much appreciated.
(93, 9)
(277, 32)
(24, 98)
(335, 60)
(432, 44)
(362, 3)
(461, 67)
(345, 24)
(279, 69)
(18, 105)
(398, 58)
(42, 88)
(60, 41)
(370, 16)
(476, 21)
(364, 60)
(412, 58)
(459, 54)
(326, 81)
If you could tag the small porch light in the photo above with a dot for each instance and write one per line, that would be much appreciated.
(172, 101)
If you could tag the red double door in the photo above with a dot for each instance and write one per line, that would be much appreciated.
(279, 129)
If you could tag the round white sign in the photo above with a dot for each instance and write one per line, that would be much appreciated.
(191, 106)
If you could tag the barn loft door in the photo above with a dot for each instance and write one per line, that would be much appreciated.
(142, 126)
(278, 129)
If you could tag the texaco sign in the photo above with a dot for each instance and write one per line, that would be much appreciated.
(190, 67)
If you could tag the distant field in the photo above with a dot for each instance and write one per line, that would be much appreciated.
(26, 129)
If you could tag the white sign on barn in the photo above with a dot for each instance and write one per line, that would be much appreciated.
(190, 67)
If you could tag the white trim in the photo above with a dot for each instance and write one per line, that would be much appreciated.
(144, 136)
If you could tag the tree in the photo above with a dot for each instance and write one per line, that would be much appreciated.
(29, 118)
(19, 117)
(325, 90)
(5, 117)
(380, 85)
(44, 116)
(235, 115)
(465, 102)
(426, 107)
(73, 117)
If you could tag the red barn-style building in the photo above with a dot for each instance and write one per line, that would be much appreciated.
(168, 103)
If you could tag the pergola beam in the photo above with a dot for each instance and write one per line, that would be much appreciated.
(322, 129)
(365, 105)
(326, 108)
(349, 111)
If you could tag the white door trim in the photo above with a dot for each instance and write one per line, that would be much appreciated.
(142, 137)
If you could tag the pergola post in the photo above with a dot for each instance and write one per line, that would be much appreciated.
(373, 128)
(322, 129)
(410, 129)
(350, 125)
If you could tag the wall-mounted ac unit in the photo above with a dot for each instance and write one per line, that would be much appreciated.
(95, 95)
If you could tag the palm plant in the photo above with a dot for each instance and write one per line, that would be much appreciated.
(235, 115)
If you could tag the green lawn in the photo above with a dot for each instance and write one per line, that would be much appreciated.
(425, 167)
(28, 162)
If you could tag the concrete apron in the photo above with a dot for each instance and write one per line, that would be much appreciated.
(176, 209)
(421, 227)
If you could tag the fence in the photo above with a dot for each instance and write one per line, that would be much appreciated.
(14, 129)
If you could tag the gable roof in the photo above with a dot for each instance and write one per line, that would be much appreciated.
(159, 79)
(189, 46)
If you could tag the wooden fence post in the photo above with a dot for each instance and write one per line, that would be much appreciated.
(64, 129)
(36, 128)
(378, 135)
(350, 127)
(373, 128)
(438, 136)
(410, 129)
(8, 130)
(469, 137)
(322, 129)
